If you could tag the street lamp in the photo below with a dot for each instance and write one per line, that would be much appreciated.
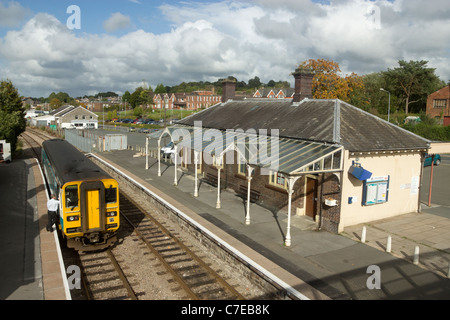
(166, 102)
(389, 107)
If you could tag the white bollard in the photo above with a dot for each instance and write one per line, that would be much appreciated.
(389, 244)
(416, 255)
(363, 235)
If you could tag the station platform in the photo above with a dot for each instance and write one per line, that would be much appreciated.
(335, 266)
(319, 264)
(30, 268)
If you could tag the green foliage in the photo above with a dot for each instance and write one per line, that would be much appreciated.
(429, 131)
(140, 96)
(160, 88)
(12, 114)
(138, 112)
(61, 98)
(107, 94)
(412, 81)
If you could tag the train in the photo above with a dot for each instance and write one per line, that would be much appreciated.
(89, 211)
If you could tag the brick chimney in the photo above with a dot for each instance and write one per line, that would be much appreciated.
(303, 84)
(228, 89)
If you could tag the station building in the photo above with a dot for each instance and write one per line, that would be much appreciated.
(335, 163)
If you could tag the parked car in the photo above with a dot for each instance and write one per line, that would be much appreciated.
(428, 158)
(143, 130)
(132, 129)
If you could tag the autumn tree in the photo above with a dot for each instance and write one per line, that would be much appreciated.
(55, 103)
(329, 84)
(12, 114)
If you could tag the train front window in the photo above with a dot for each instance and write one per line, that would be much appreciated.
(111, 195)
(71, 196)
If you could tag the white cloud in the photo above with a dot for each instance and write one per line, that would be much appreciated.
(12, 15)
(117, 21)
(214, 40)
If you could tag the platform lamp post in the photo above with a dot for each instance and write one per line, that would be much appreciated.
(389, 106)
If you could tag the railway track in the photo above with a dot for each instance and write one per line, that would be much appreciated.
(159, 264)
(103, 277)
(192, 274)
(34, 144)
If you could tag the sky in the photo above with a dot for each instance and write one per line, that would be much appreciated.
(84, 47)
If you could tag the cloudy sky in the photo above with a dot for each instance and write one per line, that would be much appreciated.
(115, 45)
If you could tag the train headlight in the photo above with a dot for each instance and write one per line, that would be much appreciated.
(111, 214)
(72, 218)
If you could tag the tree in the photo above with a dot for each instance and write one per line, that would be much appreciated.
(412, 81)
(135, 98)
(328, 84)
(126, 96)
(55, 103)
(12, 114)
(254, 83)
(160, 88)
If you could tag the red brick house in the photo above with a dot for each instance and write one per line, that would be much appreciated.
(438, 104)
(189, 101)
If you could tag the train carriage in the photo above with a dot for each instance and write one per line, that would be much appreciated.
(88, 196)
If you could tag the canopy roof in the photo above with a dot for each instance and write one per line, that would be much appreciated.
(288, 156)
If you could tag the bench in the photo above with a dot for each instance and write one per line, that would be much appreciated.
(211, 179)
(254, 195)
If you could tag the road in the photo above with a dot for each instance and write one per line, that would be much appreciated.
(440, 193)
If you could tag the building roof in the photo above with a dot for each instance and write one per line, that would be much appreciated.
(82, 109)
(61, 110)
(324, 121)
(288, 156)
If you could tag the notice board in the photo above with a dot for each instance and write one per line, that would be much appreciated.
(375, 190)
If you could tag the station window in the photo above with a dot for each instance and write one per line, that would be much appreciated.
(71, 196)
(277, 179)
(242, 170)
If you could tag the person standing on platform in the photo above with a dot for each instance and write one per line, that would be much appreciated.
(52, 207)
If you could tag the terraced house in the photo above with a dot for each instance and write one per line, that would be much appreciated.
(188, 101)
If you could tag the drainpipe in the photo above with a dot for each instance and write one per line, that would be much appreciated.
(419, 204)
(431, 180)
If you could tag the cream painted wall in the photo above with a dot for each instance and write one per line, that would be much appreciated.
(401, 167)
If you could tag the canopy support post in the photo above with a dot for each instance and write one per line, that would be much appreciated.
(196, 174)
(249, 179)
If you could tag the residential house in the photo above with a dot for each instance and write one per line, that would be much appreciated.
(274, 93)
(189, 101)
(438, 105)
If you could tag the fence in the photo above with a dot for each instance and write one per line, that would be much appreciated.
(89, 141)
